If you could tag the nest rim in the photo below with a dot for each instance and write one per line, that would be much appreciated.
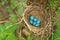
(33, 29)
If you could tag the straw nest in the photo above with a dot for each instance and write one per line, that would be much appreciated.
(45, 30)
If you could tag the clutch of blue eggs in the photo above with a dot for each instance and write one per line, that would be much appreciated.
(34, 21)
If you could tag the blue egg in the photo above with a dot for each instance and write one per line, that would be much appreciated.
(38, 21)
(31, 21)
(37, 25)
(35, 19)
(31, 17)
(34, 23)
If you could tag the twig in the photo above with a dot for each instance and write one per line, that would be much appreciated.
(58, 5)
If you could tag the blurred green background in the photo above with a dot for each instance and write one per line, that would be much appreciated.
(7, 30)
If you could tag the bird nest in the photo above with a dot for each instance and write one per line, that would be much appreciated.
(45, 29)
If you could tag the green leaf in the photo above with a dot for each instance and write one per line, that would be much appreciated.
(9, 23)
(2, 28)
(13, 17)
(9, 9)
(57, 25)
(29, 38)
(14, 3)
(57, 34)
(3, 2)
(11, 37)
